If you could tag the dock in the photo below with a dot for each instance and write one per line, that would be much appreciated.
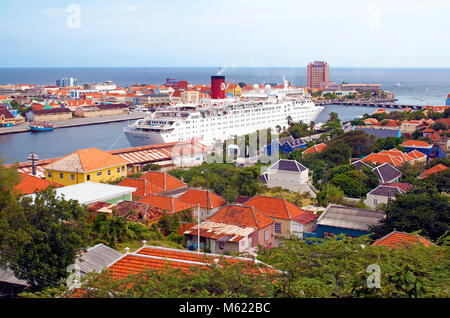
(24, 127)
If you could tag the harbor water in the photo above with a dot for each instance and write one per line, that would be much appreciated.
(411, 86)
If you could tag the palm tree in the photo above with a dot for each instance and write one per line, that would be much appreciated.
(312, 124)
(289, 119)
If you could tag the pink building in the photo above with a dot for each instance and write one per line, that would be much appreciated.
(318, 72)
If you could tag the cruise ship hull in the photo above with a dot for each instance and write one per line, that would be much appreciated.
(143, 138)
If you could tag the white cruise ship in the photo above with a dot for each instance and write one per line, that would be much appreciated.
(220, 119)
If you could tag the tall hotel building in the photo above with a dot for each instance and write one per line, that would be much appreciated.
(318, 73)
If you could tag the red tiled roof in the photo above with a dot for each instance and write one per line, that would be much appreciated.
(143, 211)
(90, 159)
(163, 180)
(157, 258)
(437, 168)
(202, 197)
(402, 186)
(397, 239)
(416, 143)
(166, 203)
(143, 187)
(94, 207)
(280, 208)
(394, 157)
(243, 216)
(316, 148)
(30, 184)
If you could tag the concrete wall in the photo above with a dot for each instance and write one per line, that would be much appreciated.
(51, 117)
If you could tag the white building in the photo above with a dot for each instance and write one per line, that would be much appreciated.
(288, 174)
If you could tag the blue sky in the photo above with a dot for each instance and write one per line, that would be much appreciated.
(230, 33)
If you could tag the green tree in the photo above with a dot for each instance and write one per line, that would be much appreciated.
(330, 194)
(387, 143)
(336, 154)
(441, 180)
(151, 167)
(42, 236)
(420, 209)
(231, 193)
(247, 180)
(360, 142)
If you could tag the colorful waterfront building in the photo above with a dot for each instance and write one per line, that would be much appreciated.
(84, 165)
(447, 102)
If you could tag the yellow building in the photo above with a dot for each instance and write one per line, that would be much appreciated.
(190, 95)
(90, 164)
(234, 90)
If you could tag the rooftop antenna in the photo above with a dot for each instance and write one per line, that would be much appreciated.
(33, 159)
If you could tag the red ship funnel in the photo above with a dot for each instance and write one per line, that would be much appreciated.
(218, 87)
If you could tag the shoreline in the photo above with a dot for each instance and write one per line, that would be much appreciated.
(24, 127)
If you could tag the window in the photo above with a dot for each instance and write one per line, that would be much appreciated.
(375, 202)
(221, 245)
(88, 177)
(72, 177)
(278, 228)
(99, 174)
(61, 175)
(109, 172)
(266, 235)
(49, 174)
(118, 169)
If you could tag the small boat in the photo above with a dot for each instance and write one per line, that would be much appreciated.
(37, 127)
(398, 84)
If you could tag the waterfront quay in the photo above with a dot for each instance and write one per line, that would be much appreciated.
(24, 127)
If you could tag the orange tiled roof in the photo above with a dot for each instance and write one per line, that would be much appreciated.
(279, 208)
(416, 143)
(30, 184)
(163, 180)
(170, 204)
(316, 148)
(394, 157)
(86, 160)
(157, 258)
(437, 168)
(204, 198)
(242, 216)
(143, 188)
(397, 239)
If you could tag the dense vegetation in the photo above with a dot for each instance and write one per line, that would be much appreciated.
(333, 268)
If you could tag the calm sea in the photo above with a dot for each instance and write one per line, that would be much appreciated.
(411, 86)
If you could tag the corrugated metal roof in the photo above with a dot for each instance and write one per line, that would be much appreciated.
(219, 230)
(7, 276)
(350, 218)
(97, 258)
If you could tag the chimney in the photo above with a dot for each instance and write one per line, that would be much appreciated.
(218, 87)
(144, 242)
(216, 261)
(127, 250)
